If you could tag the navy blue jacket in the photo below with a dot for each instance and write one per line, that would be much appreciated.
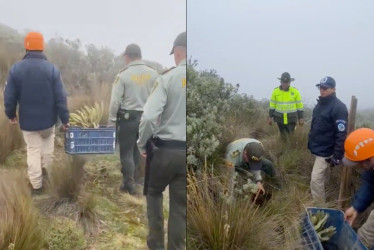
(329, 127)
(365, 195)
(36, 86)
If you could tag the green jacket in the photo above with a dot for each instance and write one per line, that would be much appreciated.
(234, 156)
(131, 88)
(164, 113)
(286, 106)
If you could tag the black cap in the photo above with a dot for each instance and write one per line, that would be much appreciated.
(133, 50)
(255, 151)
(327, 82)
(181, 40)
(286, 78)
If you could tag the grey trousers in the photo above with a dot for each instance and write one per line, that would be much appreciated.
(320, 172)
(129, 152)
(167, 167)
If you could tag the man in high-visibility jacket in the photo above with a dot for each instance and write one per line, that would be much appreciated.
(286, 106)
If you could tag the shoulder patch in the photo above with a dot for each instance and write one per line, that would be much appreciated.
(341, 127)
(116, 80)
(166, 71)
(341, 121)
(154, 87)
(235, 154)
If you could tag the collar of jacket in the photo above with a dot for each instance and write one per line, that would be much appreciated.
(183, 62)
(327, 99)
(136, 62)
(35, 54)
(280, 87)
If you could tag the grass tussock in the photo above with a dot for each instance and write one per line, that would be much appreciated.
(66, 178)
(19, 220)
(215, 221)
(219, 221)
(10, 135)
(67, 196)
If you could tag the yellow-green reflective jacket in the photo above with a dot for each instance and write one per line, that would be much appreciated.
(286, 106)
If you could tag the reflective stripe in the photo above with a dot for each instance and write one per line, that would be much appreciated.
(285, 119)
(286, 111)
(295, 102)
(286, 107)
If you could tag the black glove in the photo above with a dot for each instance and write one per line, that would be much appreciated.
(333, 161)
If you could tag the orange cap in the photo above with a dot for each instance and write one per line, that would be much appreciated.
(359, 145)
(34, 41)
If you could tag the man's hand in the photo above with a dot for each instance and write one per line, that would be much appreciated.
(111, 123)
(260, 187)
(301, 122)
(350, 215)
(333, 162)
(270, 120)
(143, 155)
(65, 126)
(13, 120)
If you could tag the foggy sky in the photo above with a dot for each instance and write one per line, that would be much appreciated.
(111, 23)
(254, 42)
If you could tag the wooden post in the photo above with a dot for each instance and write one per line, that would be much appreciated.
(345, 177)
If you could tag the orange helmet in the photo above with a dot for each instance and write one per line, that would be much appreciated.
(359, 146)
(34, 41)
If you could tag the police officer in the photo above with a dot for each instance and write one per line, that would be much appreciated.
(164, 122)
(327, 134)
(247, 154)
(286, 106)
(130, 91)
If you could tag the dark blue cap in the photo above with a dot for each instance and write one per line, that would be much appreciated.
(327, 82)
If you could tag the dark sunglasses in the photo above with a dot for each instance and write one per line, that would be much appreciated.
(322, 88)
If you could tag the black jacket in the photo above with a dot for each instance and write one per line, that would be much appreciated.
(329, 127)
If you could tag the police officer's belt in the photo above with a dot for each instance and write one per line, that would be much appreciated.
(170, 144)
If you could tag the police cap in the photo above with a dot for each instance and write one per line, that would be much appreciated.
(133, 50)
(181, 40)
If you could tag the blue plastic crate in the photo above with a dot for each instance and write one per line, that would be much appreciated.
(345, 237)
(90, 140)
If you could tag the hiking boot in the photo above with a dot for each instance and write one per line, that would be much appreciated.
(45, 177)
(128, 189)
(38, 191)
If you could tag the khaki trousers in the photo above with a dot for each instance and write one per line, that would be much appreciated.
(320, 173)
(366, 231)
(39, 146)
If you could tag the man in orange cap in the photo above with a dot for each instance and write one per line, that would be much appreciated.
(35, 85)
(359, 150)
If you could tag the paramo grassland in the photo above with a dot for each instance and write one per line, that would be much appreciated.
(218, 114)
(82, 207)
